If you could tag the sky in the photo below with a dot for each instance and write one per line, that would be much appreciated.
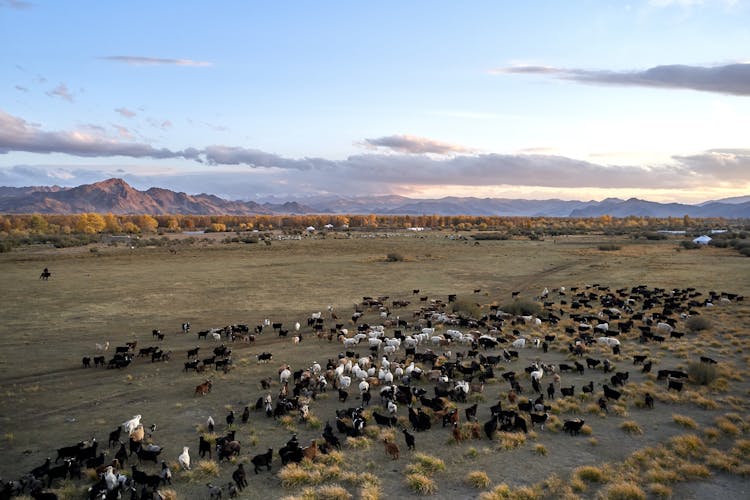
(255, 100)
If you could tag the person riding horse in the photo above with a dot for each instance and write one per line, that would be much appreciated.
(45, 274)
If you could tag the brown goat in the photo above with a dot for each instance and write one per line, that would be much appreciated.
(311, 451)
(457, 437)
(391, 449)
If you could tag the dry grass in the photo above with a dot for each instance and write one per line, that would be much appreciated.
(510, 440)
(684, 421)
(477, 479)
(624, 490)
(660, 490)
(631, 427)
(426, 465)
(590, 474)
(421, 484)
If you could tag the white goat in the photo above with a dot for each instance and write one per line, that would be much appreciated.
(184, 458)
(130, 425)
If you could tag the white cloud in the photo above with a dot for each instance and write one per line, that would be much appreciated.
(125, 112)
(62, 92)
(155, 61)
(732, 79)
(414, 145)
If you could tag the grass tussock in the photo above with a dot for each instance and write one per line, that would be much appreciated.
(204, 469)
(702, 373)
(727, 426)
(421, 484)
(168, 494)
(631, 427)
(358, 443)
(590, 474)
(659, 490)
(296, 475)
(624, 490)
(687, 445)
(327, 492)
(540, 449)
(370, 492)
(477, 479)
(684, 421)
(426, 465)
(695, 324)
(510, 440)
(691, 471)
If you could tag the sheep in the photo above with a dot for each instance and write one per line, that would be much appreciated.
(130, 425)
(391, 449)
(184, 458)
(263, 460)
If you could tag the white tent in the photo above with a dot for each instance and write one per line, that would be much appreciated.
(702, 240)
(310, 229)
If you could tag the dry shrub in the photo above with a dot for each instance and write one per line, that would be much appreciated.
(590, 474)
(624, 490)
(500, 492)
(684, 421)
(477, 479)
(696, 324)
(741, 447)
(687, 445)
(540, 449)
(426, 465)
(711, 433)
(631, 427)
(586, 430)
(202, 470)
(421, 484)
(295, 475)
(701, 373)
(593, 441)
(691, 471)
(327, 492)
(660, 490)
(660, 475)
(510, 440)
(727, 426)
(370, 492)
(358, 443)
(168, 494)
(288, 422)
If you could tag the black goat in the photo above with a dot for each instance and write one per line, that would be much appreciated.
(573, 427)
(409, 438)
(263, 460)
(610, 393)
(239, 477)
(144, 454)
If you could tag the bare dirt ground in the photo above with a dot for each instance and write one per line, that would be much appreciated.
(118, 295)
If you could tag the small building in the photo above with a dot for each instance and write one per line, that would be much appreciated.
(702, 240)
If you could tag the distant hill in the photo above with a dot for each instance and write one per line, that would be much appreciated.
(118, 197)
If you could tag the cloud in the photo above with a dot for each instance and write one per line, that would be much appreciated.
(21, 88)
(125, 112)
(387, 172)
(732, 79)
(17, 134)
(62, 92)
(155, 61)
(16, 4)
(414, 145)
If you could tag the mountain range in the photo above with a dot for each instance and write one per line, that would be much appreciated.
(118, 197)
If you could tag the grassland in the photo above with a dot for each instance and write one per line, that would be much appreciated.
(117, 294)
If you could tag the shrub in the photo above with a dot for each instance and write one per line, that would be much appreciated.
(631, 427)
(421, 484)
(522, 307)
(609, 247)
(660, 490)
(425, 465)
(685, 421)
(394, 257)
(697, 323)
(477, 479)
(590, 474)
(701, 373)
(690, 245)
(624, 490)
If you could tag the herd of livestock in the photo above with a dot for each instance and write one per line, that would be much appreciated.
(421, 365)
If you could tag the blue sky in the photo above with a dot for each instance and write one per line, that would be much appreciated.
(251, 100)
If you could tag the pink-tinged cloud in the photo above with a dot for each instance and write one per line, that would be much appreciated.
(62, 92)
(411, 144)
(125, 112)
(155, 61)
(732, 79)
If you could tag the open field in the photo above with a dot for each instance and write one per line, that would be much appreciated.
(118, 295)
